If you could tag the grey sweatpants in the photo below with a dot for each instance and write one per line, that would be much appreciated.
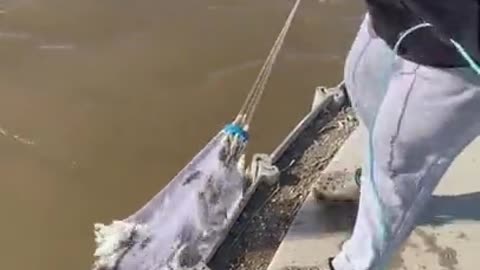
(419, 119)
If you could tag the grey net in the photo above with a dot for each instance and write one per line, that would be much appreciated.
(182, 225)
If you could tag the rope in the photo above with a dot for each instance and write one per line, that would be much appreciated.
(408, 32)
(248, 108)
(473, 65)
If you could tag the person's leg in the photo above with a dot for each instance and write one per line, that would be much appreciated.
(366, 73)
(426, 119)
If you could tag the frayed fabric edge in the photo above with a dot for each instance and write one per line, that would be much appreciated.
(114, 240)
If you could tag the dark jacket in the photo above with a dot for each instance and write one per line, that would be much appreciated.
(456, 19)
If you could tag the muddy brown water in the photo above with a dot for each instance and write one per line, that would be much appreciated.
(102, 102)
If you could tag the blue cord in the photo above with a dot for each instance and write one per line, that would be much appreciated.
(236, 130)
(473, 65)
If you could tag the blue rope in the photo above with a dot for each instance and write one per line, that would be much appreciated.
(236, 130)
(473, 65)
